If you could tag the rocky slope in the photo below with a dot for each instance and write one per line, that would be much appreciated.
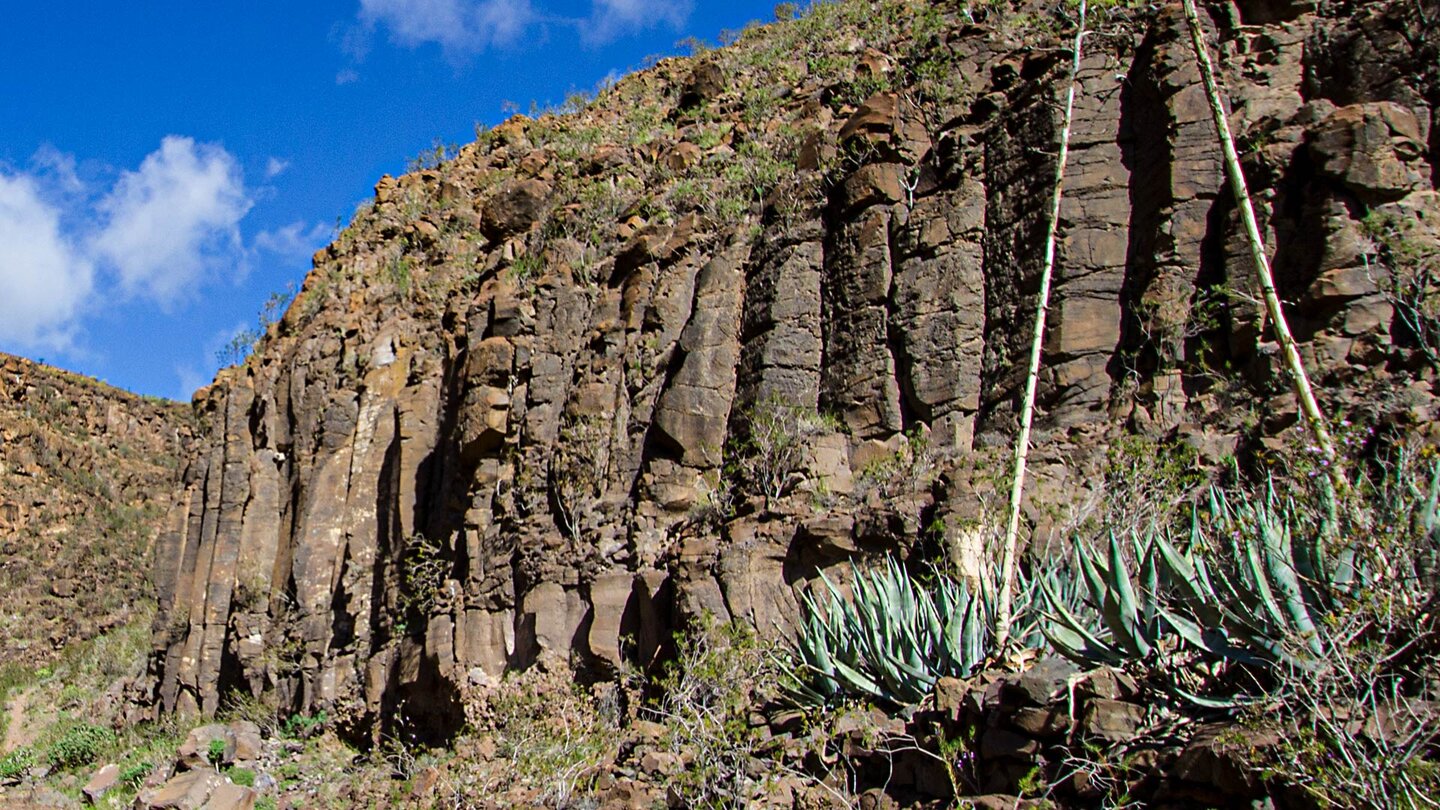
(749, 314)
(86, 473)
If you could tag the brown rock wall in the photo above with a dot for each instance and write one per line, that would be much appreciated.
(517, 434)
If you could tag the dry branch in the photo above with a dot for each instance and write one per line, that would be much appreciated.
(1027, 413)
(1303, 391)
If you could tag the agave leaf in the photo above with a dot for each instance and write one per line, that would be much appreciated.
(1231, 702)
(1076, 647)
(819, 658)
(1430, 512)
(802, 694)
(1259, 592)
(1239, 582)
(1309, 557)
(1120, 607)
(1090, 570)
(1330, 521)
(1236, 596)
(1287, 584)
(1193, 588)
(1346, 577)
(857, 680)
(898, 684)
(1220, 507)
(835, 597)
(1210, 641)
(1065, 619)
(973, 637)
(1149, 595)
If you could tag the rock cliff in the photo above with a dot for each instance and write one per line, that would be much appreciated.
(749, 314)
(86, 472)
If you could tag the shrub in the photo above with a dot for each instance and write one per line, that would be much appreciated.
(242, 343)
(423, 569)
(910, 469)
(302, 726)
(215, 752)
(552, 733)
(243, 777)
(719, 673)
(436, 156)
(80, 744)
(1411, 260)
(579, 466)
(14, 764)
(398, 272)
(239, 705)
(133, 775)
(1145, 484)
(769, 456)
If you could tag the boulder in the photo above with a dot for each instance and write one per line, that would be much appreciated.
(196, 752)
(229, 796)
(705, 83)
(188, 791)
(102, 782)
(515, 207)
(1223, 757)
(1112, 720)
(1374, 149)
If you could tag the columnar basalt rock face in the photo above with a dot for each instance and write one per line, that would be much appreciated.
(502, 421)
(86, 471)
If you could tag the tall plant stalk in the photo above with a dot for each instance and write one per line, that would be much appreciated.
(1303, 391)
(1005, 609)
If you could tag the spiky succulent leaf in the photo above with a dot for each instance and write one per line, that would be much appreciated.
(1189, 582)
(1070, 636)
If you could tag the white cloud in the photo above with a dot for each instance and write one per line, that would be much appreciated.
(274, 167)
(293, 242)
(462, 27)
(610, 18)
(59, 168)
(457, 26)
(174, 220)
(347, 76)
(44, 281)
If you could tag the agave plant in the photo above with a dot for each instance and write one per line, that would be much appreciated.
(1129, 611)
(893, 637)
(1253, 597)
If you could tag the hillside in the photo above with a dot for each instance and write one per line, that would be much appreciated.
(86, 472)
(655, 361)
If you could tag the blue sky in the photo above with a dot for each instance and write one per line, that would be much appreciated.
(166, 165)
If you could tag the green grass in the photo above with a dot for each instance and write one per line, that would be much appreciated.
(243, 777)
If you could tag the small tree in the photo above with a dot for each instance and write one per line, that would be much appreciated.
(769, 458)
